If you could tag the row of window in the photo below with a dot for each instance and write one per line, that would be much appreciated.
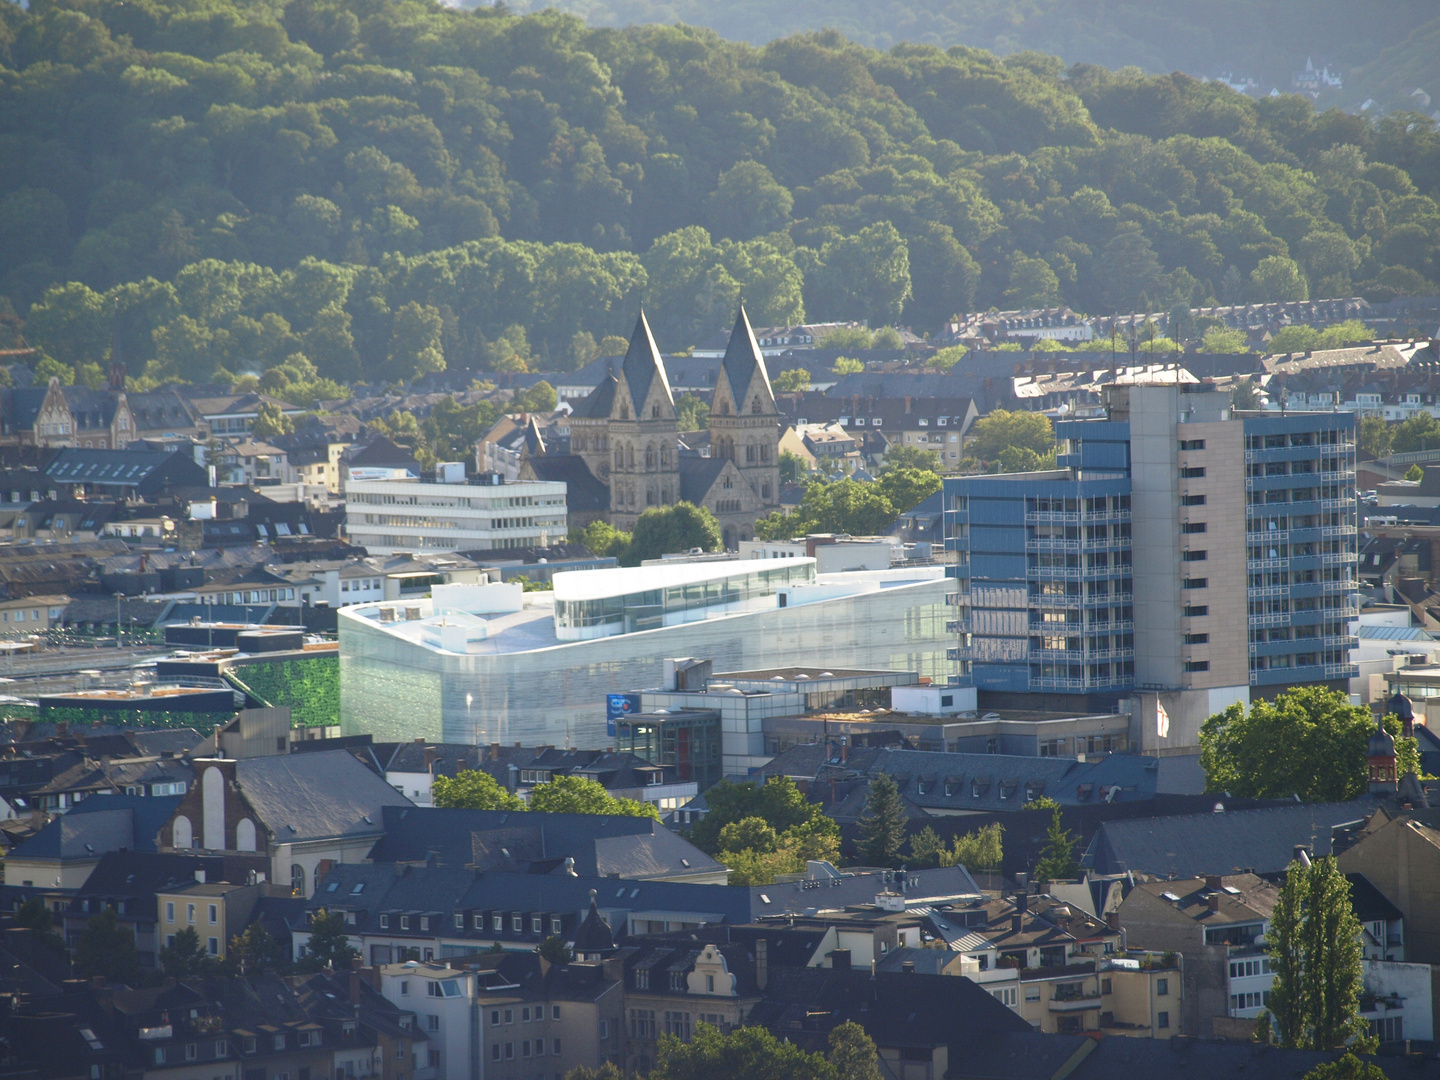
(190, 913)
(528, 1048)
(497, 922)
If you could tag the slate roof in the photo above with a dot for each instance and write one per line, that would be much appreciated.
(698, 476)
(316, 796)
(642, 366)
(147, 471)
(369, 890)
(1192, 845)
(598, 404)
(850, 889)
(130, 873)
(102, 824)
(1370, 904)
(583, 492)
(601, 845)
(742, 363)
(904, 1011)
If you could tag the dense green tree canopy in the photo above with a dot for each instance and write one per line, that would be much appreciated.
(388, 188)
(472, 789)
(1309, 742)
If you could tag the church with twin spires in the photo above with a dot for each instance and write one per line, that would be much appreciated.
(627, 452)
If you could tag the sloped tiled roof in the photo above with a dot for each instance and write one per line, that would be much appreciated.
(316, 796)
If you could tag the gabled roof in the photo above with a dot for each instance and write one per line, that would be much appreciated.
(316, 796)
(1370, 904)
(1192, 845)
(599, 402)
(582, 490)
(698, 476)
(743, 365)
(601, 845)
(642, 366)
(918, 886)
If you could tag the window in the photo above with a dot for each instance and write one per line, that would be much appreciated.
(1193, 527)
(1192, 472)
(404, 922)
(1195, 611)
(424, 922)
(432, 1022)
(1162, 987)
(509, 1016)
(1192, 444)
(1197, 639)
(459, 920)
(525, 1015)
(555, 1047)
(537, 924)
(213, 945)
(498, 923)
(554, 1012)
(555, 924)
(1199, 555)
(1162, 1020)
(1197, 665)
(190, 914)
(1192, 500)
(1195, 583)
(169, 911)
(495, 1052)
(509, 1051)
(214, 914)
(517, 923)
(384, 922)
(525, 1047)
(404, 987)
(604, 1029)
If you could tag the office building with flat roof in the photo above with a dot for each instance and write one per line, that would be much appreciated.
(448, 514)
(490, 663)
(1181, 556)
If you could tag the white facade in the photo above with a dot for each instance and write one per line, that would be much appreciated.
(443, 1000)
(386, 516)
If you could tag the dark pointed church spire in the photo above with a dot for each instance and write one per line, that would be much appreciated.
(743, 362)
(642, 366)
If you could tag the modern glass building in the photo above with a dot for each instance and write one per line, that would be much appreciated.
(491, 664)
(1180, 555)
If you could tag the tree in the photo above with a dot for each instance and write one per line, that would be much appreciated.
(329, 945)
(472, 789)
(692, 413)
(1309, 741)
(1277, 278)
(1130, 272)
(855, 507)
(862, 276)
(581, 795)
(1033, 283)
(1315, 953)
(750, 1052)
(844, 337)
(852, 1053)
(910, 457)
(34, 916)
(882, 828)
(1245, 395)
(1002, 428)
(946, 358)
(793, 467)
(907, 488)
(256, 951)
(1346, 1067)
(982, 849)
(748, 202)
(1418, 432)
(1057, 861)
(271, 421)
(107, 949)
(661, 530)
(847, 365)
(554, 949)
(185, 956)
(777, 803)
(415, 343)
(751, 833)
(1414, 474)
(1375, 436)
(791, 381)
(602, 539)
(1220, 339)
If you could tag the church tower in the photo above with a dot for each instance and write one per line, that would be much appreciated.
(644, 433)
(744, 423)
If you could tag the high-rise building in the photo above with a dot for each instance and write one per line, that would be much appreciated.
(1181, 556)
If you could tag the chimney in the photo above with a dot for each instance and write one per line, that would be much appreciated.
(1112, 920)
(840, 959)
(907, 404)
(1017, 922)
(1214, 899)
(494, 751)
(762, 963)
(1212, 882)
(908, 967)
(430, 756)
(419, 740)
(1022, 901)
(355, 980)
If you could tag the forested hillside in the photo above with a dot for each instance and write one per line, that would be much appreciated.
(386, 188)
(1384, 49)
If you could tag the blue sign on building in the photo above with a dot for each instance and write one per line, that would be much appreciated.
(616, 706)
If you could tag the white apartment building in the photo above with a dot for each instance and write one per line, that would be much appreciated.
(386, 516)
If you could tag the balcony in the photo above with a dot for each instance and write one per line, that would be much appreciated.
(1051, 543)
(1268, 592)
(958, 626)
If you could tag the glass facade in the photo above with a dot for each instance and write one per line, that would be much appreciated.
(1045, 559)
(1300, 531)
(687, 743)
(397, 689)
(652, 608)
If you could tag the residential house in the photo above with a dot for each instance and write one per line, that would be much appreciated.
(302, 812)
(217, 911)
(673, 986)
(369, 1036)
(251, 461)
(224, 414)
(64, 852)
(123, 474)
(59, 415)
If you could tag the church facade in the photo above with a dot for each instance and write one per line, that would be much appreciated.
(626, 435)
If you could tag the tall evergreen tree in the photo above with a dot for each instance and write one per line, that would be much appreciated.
(1057, 861)
(1314, 947)
(107, 949)
(882, 829)
(329, 944)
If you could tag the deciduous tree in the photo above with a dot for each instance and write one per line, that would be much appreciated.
(472, 789)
